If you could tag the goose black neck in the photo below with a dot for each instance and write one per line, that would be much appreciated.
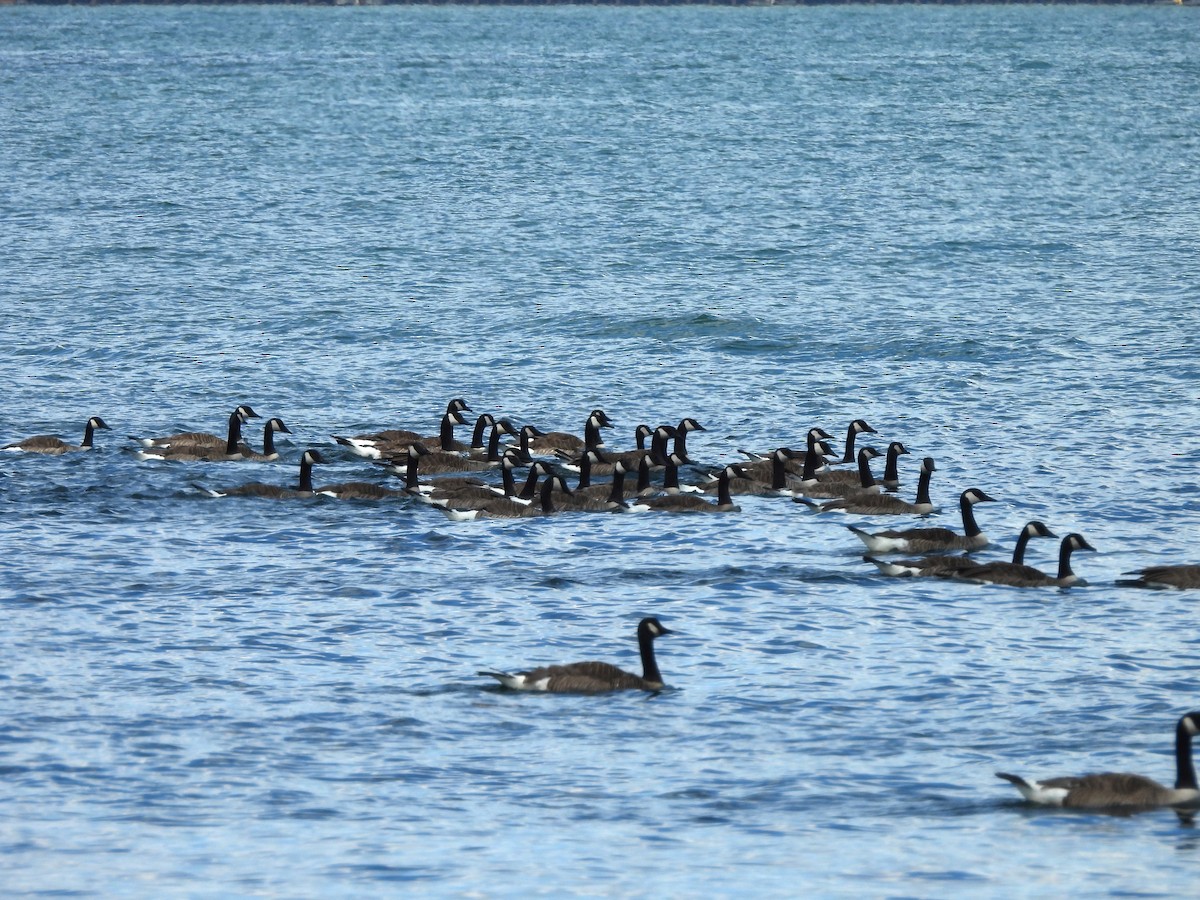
(643, 482)
(510, 483)
(891, 471)
(493, 445)
(89, 432)
(481, 425)
(813, 460)
(971, 527)
(548, 496)
(306, 484)
(778, 471)
(865, 478)
(1185, 771)
(681, 444)
(235, 434)
(641, 434)
(591, 435)
(658, 448)
(649, 663)
(268, 440)
(671, 474)
(1018, 557)
(529, 489)
(923, 487)
(526, 434)
(1064, 559)
(617, 494)
(723, 496)
(851, 434)
(447, 433)
(585, 470)
(410, 471)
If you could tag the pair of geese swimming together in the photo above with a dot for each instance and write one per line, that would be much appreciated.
(1108, 790)
(800, 474)
(1114, 791)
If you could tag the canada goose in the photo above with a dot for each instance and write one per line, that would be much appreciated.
(432, 462)
(417, 461)
(505, 508)
(269, 453)
(52, 445)
(203, 438)
(628, 458)
(553, 442)
(593, 677)
(814, 437)
(193, 446)
(693, 503)
(491, 451)
(767, 476)
(524, 440)
(882, 504)
(931, 540)
(834, 479)
(823, 486)
(604, 497)
(392, 441)
(857, 427)
(360, 490)
(682, 430)
(671, 483)
(1121, 790)
(468, 492)
(1027, 576)
(258, 489)
(950, 565)
(1179, 577)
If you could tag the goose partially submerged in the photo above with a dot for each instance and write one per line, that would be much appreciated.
(593, 677)
(1120, 790)
(53, 445)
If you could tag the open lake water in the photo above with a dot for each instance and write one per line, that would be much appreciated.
(976, 227)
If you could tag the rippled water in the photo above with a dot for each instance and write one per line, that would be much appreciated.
(975, 227)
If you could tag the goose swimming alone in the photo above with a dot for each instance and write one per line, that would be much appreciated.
(593, 677)
(53, 445)
(1120, 790)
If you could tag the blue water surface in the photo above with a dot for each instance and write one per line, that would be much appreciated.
(975, 227)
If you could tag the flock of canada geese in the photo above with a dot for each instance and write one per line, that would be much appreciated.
(480, 479)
